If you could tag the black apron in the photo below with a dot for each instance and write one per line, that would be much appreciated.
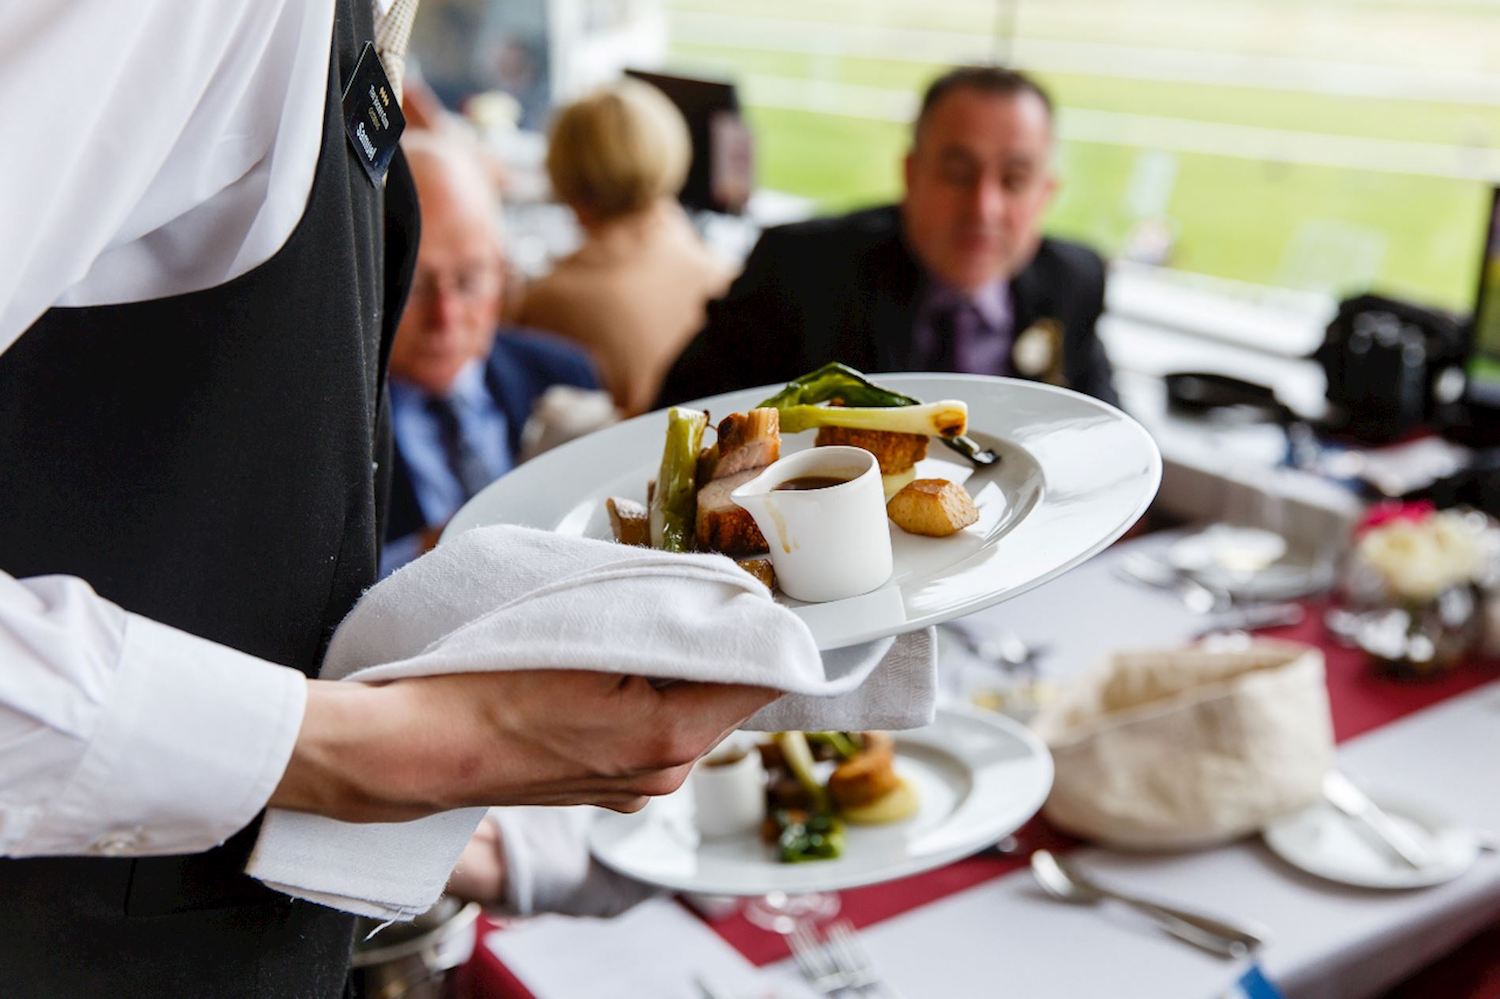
(206, 460)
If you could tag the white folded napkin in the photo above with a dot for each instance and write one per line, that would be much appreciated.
(499, 598)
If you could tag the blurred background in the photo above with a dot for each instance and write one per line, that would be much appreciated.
(1326, 147)
(1299, 204)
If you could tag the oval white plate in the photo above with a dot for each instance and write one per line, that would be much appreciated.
(1074, 474)
(978, 777)
(1323, 841)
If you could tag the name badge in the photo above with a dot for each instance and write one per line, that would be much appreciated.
(372, 116)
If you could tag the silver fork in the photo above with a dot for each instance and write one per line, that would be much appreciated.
(851, 957)
(815, 962)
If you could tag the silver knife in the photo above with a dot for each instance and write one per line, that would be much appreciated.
(1345, 795)
(1253, 618)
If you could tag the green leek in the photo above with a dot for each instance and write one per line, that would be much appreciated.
(947, 418)
(674, 503)
(799, 760)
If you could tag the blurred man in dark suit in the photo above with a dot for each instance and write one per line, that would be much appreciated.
(462, 386)
(956, 278)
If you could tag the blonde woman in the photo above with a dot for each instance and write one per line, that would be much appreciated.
(634, 293)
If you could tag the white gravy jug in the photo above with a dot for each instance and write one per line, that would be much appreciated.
(828, 540)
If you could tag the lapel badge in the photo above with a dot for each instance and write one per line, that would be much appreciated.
(1038, 352)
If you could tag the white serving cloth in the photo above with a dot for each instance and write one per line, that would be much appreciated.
(499, 598)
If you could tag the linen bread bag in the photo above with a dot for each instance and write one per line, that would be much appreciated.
(1188, 747)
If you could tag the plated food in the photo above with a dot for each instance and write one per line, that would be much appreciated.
(690, 505)
(807, 786)
(1071, 475)
(935, 507)
(977, 777)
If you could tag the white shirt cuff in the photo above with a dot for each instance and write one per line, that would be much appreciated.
(196, 738)
(545, 855)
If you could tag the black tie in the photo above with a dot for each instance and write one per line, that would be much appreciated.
(465, 462)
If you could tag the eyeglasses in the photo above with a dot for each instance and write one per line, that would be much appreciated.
(467, 284)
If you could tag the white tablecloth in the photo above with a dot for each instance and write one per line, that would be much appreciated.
(1004, 937)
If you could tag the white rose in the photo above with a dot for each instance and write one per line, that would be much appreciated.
(1420, 559)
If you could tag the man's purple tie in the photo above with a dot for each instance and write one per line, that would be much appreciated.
(965, 342)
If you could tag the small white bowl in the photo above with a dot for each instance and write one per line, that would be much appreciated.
(828, 543)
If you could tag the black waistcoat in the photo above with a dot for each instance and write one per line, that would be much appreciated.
(206, 460)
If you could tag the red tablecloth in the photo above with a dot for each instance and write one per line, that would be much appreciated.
(1360, 701)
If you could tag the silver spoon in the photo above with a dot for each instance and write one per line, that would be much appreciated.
(1195, 596)
(1007, 649)
(1063, 881)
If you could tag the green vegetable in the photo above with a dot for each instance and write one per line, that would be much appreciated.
(836, 381)
(948, 418)
(674, 504)
(872, 407)
(818, 837)
(799, 760)
(843, 743)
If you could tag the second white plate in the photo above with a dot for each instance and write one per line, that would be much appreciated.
(979, 777)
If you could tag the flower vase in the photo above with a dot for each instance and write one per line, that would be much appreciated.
(1424, 640)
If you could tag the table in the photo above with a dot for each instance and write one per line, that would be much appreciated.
(980, 927)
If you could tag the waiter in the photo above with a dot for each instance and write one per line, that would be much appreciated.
(197, 290)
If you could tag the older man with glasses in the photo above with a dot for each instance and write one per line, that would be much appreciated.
(462, 386)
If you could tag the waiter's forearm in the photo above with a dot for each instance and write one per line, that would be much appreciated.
(334, 768)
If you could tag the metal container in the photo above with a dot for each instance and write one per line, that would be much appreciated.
(414, 960)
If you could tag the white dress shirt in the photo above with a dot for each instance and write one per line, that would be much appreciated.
(152, 148)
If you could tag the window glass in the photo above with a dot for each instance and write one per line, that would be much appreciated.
(1326, 146)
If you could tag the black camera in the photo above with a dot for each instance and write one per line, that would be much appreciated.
(1391, 366)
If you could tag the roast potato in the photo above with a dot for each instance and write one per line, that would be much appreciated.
(934, 507)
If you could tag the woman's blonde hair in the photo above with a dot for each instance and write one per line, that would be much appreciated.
(618, 150)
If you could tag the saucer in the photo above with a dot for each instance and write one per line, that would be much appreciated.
(1323, 841)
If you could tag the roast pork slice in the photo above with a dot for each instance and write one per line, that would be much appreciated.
(724, 526)
(747, 441)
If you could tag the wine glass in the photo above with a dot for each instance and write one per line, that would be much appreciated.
(782, 912)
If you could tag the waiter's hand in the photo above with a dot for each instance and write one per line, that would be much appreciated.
(529, 737)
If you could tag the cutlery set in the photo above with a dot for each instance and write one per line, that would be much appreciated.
(839, 965)
(1219, 609)
(1062, 879)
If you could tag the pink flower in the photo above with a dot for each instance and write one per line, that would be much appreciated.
(1393, 511)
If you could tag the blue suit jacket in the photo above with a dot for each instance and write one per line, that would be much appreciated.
(522, 365)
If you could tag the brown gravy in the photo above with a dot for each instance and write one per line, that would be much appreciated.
(803, 482)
